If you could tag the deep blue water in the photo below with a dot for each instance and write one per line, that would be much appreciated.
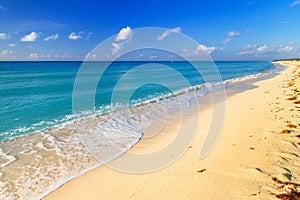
(38, 95)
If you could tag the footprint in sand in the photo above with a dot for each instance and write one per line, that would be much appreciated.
(291, 126)
(292, 98)
(202, 170)
(291, 192)
(291, 195)
(285, 131)
(297, 102)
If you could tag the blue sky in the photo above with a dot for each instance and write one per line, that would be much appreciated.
(69, 30)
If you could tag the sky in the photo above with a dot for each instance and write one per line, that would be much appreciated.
(227, 30)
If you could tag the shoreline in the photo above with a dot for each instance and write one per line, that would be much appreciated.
(202, 86)
(196, 178)
(36, 149)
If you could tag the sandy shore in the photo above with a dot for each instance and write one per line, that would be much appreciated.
(257, 156)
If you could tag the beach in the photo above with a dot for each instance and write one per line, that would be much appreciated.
(256, 156)
(149, 100)
(48, 144)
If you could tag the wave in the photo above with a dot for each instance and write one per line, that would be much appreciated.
(201, 89)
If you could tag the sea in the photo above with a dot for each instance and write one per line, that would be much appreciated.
(44, 141)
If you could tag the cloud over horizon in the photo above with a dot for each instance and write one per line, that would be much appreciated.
(31, 37)
(231, 35)
(122, 37)
(253, 49)
(6, 54)
(33, 56)
(117, 48)
(204, 48)
(51, 37)
(168, 32)
(124, 34)
(74, 36)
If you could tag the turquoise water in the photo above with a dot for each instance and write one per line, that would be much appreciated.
(38, 95)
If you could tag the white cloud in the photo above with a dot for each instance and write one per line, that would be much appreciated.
(153, 57)
(263, 48)
(254, 49)
(4, 51)
(286, 48)
(233, 34)
(117, 48)
(80, 35)
(5, 54)
(296, 2)
(74, 36)
(200, 48)
(203, 48)
(12, 45)
(124, 34)
(3, 36)
(250, 47)
(30, 37)
(168, 32)
(91, 56)
(33, 56)
(51, 37)
(230, 35)
(226, 41)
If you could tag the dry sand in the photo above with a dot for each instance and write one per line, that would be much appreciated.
(257, 156)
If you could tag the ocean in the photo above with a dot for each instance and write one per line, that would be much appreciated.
(43, 141)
